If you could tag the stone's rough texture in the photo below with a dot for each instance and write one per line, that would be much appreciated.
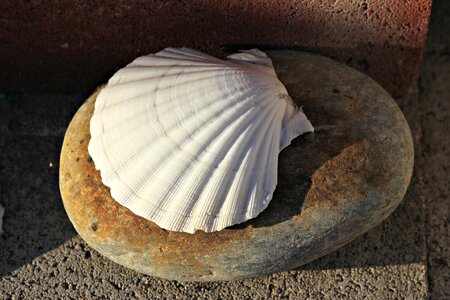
(333, 185)
(56, 48)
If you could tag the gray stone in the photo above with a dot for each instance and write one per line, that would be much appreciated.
(334, 185)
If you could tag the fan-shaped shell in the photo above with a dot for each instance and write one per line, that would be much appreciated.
(190, 141)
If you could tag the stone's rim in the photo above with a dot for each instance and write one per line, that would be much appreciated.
(335, 185)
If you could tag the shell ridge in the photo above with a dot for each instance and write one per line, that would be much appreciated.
(245, 148)
(274, 148)
(175, 214)
(224, 73)
(233, 101)
(127, 120)
(207, 105)
(208, 175)
(233, 117)
(130, 85)
(266, 157)
(177, 180)
(160, 60)
(183, 59)
(246, 170)
(180, 56)
(225, 216)
(162, 160)
(143, 65)
(137, 73)
(132, 155)
(222, 189)
(190, 53)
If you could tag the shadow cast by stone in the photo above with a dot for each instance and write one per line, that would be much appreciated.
(35, 221)
(32, 129)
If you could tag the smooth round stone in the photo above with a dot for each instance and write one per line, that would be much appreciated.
(333, 185)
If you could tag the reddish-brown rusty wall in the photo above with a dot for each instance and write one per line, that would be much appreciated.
(72, 46)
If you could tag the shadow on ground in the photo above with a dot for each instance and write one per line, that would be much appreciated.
(31, 137)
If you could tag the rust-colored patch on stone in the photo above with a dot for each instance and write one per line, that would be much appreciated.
(340, 177)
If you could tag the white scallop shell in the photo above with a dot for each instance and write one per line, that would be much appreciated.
(190, 141)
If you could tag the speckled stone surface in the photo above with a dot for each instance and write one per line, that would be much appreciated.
(334, 185)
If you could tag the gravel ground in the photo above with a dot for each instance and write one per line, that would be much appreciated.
(407, 256)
